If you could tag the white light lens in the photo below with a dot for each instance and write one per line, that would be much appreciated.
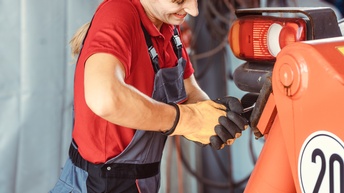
(273, 39)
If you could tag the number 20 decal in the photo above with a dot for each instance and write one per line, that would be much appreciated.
(321, 164)
(333, 158)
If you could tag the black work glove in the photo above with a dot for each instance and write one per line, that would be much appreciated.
(231, 125)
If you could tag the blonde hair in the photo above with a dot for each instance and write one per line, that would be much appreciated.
(78, 38)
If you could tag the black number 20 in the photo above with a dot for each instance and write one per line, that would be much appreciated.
(333, 158)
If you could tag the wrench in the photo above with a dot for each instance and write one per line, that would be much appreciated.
(250, 108)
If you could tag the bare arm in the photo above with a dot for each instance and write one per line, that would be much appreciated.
(108, 96)
(193, 91)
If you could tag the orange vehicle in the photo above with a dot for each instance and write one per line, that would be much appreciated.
(295, 68)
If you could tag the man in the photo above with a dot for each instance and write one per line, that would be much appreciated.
(134, 86)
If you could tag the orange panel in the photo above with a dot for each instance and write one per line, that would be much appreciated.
(271, 173)
(304, 151)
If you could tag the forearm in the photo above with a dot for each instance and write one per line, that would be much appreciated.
(133, 109)
(196, 96)
(194, 92)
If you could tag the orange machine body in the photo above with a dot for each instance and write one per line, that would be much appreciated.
(304, 148)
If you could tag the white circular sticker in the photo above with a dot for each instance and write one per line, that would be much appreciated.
(321, 164)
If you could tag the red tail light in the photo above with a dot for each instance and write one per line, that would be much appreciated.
(262, 37)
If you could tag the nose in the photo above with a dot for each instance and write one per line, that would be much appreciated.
(191, 7)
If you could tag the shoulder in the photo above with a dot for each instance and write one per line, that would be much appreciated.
(115, 19)
(121, 11)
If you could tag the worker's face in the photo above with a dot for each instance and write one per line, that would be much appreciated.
(170, 11)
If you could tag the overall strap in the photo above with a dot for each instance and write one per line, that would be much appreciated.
(176, 42)
(151, 50)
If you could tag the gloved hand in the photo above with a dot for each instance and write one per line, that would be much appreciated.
(197, 121)
(231, 125)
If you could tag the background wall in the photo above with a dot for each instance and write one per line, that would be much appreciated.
(36, 85)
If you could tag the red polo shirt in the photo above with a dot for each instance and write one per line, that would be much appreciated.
(116, 29)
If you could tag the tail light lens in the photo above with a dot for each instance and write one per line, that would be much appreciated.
(262, 37)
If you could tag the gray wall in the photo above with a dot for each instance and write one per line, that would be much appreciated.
(36, 89)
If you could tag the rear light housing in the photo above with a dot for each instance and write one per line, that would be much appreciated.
(257, 37)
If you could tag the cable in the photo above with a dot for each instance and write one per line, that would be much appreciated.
(253, 155)
(215, 14)
(180, 169)
(211, 52)
(220, 163)
(168, 163)
(225, 185)
(195, 174)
